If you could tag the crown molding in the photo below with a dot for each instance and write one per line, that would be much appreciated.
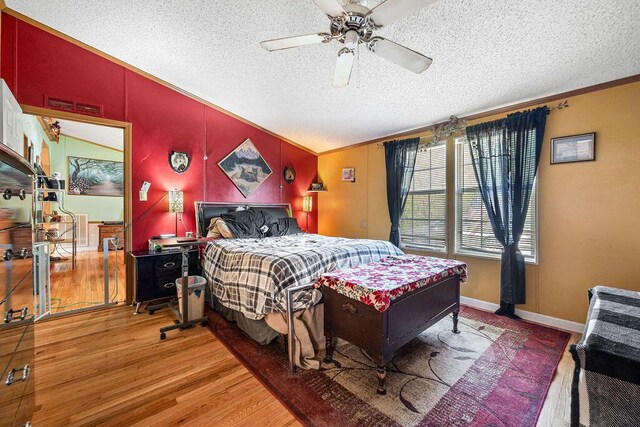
(143, 73)
(426, 130)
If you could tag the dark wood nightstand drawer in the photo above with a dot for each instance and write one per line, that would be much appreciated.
(162, 286)
(154, 274)
(168, 265)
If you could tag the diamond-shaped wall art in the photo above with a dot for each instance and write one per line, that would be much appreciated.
(246, 167)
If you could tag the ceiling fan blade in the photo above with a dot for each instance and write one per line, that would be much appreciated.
(398, 54)
(391, 10)
(330, 7)
(289, 42)
(344, 64)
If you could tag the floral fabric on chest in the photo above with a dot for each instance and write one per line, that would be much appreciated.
(378, 283)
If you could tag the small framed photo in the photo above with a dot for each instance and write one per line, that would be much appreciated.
(574, 148)
(317, 186)
(349, 174)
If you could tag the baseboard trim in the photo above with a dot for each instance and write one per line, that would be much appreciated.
(542, 319)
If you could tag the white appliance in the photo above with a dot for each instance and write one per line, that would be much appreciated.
(11, 121)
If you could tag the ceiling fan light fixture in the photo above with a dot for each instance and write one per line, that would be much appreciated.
(351, 39)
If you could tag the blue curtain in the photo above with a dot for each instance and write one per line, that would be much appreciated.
(400, 159)
(505, 156)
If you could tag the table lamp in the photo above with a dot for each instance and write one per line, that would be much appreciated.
(307, 206)
(176, 204)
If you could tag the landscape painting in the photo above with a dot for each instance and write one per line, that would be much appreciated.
(93, 177)
(245, 167)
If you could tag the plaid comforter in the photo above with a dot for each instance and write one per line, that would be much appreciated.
(606, 382)
(250, 275)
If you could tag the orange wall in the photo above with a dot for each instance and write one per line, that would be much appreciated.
(589, 213)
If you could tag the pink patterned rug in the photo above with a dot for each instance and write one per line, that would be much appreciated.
(495, 373)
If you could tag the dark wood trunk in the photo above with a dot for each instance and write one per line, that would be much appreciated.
(381, 334)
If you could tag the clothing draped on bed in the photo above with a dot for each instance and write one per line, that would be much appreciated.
(251, 275)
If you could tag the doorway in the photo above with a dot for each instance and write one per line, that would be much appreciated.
(81, 200)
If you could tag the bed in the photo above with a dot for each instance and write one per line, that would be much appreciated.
(247, 278)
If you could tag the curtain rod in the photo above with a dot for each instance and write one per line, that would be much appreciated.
(560, 106)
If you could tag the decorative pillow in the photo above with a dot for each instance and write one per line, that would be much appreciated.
(284, 227)
(223, 228)
(218, 228)
(252, 223)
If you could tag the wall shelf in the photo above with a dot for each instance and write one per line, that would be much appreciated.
(40, 212)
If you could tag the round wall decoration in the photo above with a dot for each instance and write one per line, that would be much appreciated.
(179, 161)
(289, 174)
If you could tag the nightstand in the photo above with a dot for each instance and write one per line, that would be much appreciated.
(186, 246)
(154, 274)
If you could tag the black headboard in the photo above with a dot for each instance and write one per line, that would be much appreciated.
(207, 210)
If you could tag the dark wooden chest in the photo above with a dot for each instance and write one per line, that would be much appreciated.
(381, 334)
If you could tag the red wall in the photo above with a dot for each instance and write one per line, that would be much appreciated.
(36, 65)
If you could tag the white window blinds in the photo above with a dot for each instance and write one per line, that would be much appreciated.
(423, 224)
(473, 230)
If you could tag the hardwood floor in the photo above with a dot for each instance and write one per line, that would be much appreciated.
(84, 286)
(109, 367)
(556, 411)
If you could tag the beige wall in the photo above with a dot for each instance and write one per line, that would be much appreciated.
(589, 213)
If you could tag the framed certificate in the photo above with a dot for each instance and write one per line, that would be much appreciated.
(574, 148)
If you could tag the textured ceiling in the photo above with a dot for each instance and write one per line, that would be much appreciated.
(102, 135)
(487, 53)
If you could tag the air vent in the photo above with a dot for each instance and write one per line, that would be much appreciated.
(94, 110)
(76, 107)
(61, 104)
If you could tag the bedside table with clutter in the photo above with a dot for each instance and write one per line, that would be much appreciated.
(159, 272)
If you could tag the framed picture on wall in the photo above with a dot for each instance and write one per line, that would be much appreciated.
(246, 167)
(93, 177)
(349, 174)
(574, 148)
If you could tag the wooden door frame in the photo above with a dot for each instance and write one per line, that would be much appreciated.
(127, 130)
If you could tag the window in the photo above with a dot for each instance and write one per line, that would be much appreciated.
(473, 230)
(423, 224)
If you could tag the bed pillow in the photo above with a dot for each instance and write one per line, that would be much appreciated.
(252, 223)
(284, 227)
(218, 228)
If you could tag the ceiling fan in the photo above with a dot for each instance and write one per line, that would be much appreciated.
(353, 24)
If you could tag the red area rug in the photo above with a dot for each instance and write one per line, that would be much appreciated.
(496, 372)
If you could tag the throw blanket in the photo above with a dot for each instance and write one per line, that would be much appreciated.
(378, 283)
(606, 381)
(309, 336)
(250, 275)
